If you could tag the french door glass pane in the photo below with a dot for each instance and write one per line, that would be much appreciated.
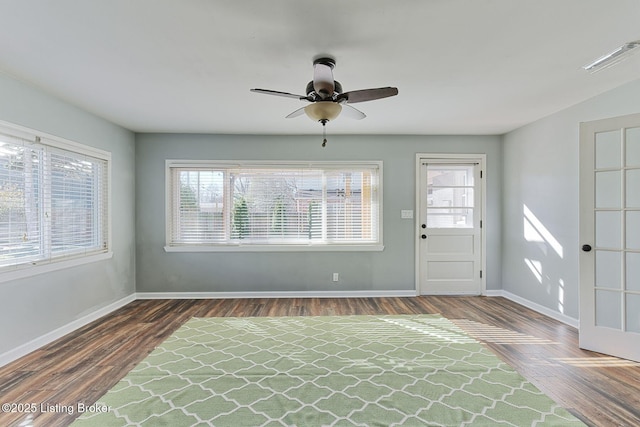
(633, 313)
(608, 229)
(608, 309)
(608, 149)
(606, 194)
(633, 147)
(608, 269)
(633, 229)
(633, 271)
(633, 188)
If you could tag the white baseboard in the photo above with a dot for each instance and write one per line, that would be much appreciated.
(45, 339)
(281, 294)
(535, 307)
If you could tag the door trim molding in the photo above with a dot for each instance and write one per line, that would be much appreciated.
(479, 158)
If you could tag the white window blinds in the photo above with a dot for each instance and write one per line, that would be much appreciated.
(53, 202)
(266, 204)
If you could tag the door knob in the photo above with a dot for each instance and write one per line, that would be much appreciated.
(424, 236)
(586, 248)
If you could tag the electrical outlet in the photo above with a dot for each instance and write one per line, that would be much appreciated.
(336, 277)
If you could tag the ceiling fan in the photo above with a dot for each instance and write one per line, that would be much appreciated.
(327, 100)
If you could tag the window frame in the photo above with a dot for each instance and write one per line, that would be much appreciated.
(240, 246)
(34, 267)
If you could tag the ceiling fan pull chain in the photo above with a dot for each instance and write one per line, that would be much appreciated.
(324, 133)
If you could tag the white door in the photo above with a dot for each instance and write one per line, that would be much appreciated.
(449, 226)
(610, 236)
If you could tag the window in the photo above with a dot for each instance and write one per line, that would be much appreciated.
(265, 206)
(450, 201)
(53, 199)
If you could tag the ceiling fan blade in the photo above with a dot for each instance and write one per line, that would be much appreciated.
(352, 113)
(298, 112)
(277, 93)
(368, 94)
(323, 83)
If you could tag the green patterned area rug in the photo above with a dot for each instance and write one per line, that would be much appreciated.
(324, 371)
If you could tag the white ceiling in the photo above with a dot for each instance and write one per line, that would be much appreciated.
(461, 66)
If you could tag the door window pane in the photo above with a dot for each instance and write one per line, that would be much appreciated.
(633, 272)
(633, 188)
(633, 313)
(608, 186)
(608, 229)
(450, 197)
(608, 149)
(608, 309)
(450, 175)
(608, 269)
(449, 218)
(633, 147)
(633, 229)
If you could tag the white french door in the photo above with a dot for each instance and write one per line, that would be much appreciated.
(449, 240)
(610, 236)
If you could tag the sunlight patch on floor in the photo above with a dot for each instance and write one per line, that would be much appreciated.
(597, 362)
(496, 335)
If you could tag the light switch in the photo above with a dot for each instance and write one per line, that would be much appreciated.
(406, 214)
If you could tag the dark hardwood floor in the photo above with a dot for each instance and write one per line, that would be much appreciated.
(82, 366)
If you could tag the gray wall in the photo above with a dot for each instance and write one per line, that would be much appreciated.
(541, 172)
(40, 304)
(392, 269)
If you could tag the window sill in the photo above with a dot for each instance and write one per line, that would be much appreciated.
(276, 248)
(28, 270)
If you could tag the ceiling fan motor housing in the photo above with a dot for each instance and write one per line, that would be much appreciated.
(337, 88)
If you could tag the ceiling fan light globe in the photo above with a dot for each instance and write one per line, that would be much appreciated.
(323, 110)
